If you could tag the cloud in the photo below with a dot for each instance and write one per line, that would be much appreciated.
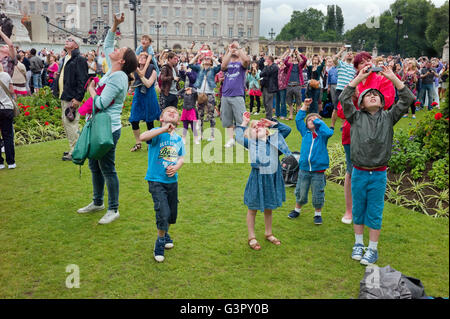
(275, 17)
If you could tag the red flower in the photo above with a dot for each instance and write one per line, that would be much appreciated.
(437, 116)
(27, 113)
(27, 107)
(46, 105)
(46, 123)
(417, 103)
(434, 104)
(56, 107)
(42, 107)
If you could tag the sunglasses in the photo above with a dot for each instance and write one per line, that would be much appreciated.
(70, 40)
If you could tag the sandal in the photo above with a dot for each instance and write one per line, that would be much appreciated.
(136, 147)
(273, 239)
(255, 245)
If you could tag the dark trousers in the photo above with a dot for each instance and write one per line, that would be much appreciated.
(258, 103)
(7, 130)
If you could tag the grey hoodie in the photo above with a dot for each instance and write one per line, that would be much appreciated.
(372, 135)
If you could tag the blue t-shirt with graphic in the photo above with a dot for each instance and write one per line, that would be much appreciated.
(164, 150)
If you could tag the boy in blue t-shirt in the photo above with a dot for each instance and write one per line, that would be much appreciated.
(165, 157)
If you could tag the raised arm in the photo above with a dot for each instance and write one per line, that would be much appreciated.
(337, 56)
(9, 43)
(226, 60)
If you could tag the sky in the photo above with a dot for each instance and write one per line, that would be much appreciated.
(276, 13)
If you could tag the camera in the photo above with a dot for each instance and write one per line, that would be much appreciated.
(6, 25)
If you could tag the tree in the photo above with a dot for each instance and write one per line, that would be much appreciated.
(339, 21)
(437, 30)
(330, 23)
(307, 25)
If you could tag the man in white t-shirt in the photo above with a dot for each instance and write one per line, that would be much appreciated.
(6, 120)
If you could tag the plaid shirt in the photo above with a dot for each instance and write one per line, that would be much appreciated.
(8, 65)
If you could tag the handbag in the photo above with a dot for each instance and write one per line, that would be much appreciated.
(101, 139)
(81, 149)
(16, 109)
(202, 97)
(314, 84)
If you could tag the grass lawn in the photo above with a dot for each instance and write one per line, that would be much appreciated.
(41, 234)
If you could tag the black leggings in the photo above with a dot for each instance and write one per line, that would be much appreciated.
(258, 103)
(135, 125)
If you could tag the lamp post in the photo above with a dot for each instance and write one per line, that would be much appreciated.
(398, 20)
(157, 26)
(271, 33)
(165, 42)
(134, 7)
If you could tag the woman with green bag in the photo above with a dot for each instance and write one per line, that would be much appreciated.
(121, 63)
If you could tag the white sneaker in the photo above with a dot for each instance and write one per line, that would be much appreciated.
(197, 140)
(230, 143)
(158, 258)
(256, 113)
(90, 208)
(12, 166)
(2, 166)
(3, 149)
(212, 138)
(110, 216)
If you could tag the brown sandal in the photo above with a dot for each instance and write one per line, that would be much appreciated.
(273, 239)
(136, 147)
(254, 246)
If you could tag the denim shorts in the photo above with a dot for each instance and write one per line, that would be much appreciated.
(37, 81)
(368, 188)
(317, 183)
(165, 200)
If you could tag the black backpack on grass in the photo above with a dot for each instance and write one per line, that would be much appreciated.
(290, 168)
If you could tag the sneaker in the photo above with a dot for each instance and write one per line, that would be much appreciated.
(370, 257)
(404, 116)
(2, 166)
(90, 208)
(256, 113)
(212, 138)
(318, 220)
(230, 143)
(358, 252)
(413, 116)
(109, 217)
(158, 251)
(293, 214)
(67, 157)
(12, 166)
(65, 153)
(197, 141)
(169, 242)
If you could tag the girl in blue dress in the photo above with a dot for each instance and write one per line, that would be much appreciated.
(264, 191)
(145, 105)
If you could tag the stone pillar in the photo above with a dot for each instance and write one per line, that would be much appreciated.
(374, 52)
(445, 52)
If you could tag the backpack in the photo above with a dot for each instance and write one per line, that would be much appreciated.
(290, 168)
(327, 110)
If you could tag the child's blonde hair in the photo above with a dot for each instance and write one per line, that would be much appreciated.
(251, 124)
(311, 115)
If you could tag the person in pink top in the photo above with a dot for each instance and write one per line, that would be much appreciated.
(374, 81)
(294, 79)
(52, 69)
(280, 107)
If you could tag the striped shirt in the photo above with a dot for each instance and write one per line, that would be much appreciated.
(346, 73)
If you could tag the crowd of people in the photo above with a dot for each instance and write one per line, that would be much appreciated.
(370, 94)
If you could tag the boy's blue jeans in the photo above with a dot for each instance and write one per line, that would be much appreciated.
(368, 188)
(317, 182)
(104, 170)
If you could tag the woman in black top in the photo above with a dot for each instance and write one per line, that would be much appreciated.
(314, 71)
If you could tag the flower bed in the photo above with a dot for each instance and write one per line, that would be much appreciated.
(40, 117)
